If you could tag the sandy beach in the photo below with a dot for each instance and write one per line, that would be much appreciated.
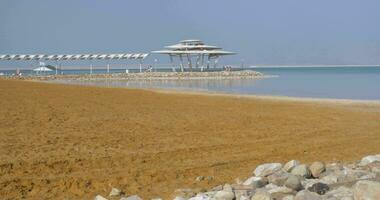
(65, 141)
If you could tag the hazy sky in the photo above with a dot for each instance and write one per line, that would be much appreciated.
(262, 32)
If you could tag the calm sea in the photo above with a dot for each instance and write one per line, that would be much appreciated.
(319, 82)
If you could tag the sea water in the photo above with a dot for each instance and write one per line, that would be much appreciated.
(360, 83)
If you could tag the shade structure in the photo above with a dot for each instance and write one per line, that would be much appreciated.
(42, 69)
(193, 48)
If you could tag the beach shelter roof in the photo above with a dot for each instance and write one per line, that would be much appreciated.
(42, 69)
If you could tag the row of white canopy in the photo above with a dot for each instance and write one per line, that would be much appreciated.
(75, 56)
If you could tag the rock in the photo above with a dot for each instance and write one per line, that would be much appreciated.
(200, 197)
(243, 198)
(186, 193)
(217, 188)
(200, 178)
(319, 188)
(115, 192)
(280, 191)
(330, 179)
(224, 195)
(340, 193)
(133, 197)
(306, 195)
(369, 159)
(293, 182)
(288, 197)
(278, 178)
(309, 182)
(227, 187)
(290, 165)
(99, 197)
(302, 170)
(179, 198)
(156, 199)
(261, 195)
(317, 168)
(364, 190)
(267, 169)
(257, 182)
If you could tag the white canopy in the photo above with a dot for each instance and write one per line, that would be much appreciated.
(42, 69)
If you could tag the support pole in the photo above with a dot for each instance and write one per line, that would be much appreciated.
(208, 62)
(189, 62)
(215, 62)
(171, 61)
(180, 57)
(140, 61)
(108, 68)
(198, 59)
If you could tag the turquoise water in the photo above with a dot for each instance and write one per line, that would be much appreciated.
(362, 83)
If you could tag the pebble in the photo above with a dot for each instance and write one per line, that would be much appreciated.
(99, 197)
(115, 192)
(133, 197)
(370, 159)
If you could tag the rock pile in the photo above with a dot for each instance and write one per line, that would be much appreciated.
(297, 181)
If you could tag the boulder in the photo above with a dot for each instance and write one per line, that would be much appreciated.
(256, 182)
(278, 178)
(317, 168)
(364, 190)
(307, 195)
(224, 195)
(302, 170)
(370, 159)
(293, 182)
(99, 197)
(115, 192)
(261, 195)
(290, 165)
(319, 188)
(267, 169)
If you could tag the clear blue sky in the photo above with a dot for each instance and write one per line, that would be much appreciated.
(262, 32)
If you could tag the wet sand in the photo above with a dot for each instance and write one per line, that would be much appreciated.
(65, 141)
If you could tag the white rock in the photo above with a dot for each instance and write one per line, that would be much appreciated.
(267, 169)
(227, 187)
(224, 195)
(261, 195)
(179, 198)
(317, 168)
(99, 197)
(133, 197)
(200, 197)
(293, 182)
(306, 195)
(280, 190)
(339, 193)
(370, 159)
(365, 190)
(302, 170)
(290, 165)
(114, 192)
(288, 197)
(330, 179)
(256, 181)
